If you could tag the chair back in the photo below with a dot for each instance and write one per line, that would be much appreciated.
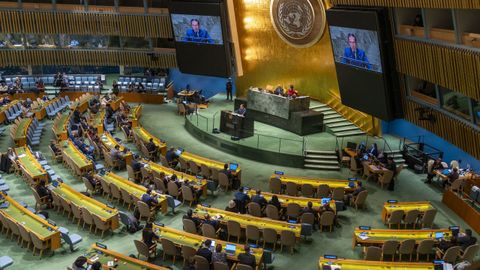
(220, 266)
(105, 186)
(88, 185)
(386, 177)
(361, 198)
(77, 212)
(189, 226)
(208, 231)
(428, 218)
(13, 226)
(452, 254)
(234, 229)
(269, 235)
(214, 175)
(390, 247)
(193, 167)
(396, 217)
(201, 263)
(275, 185)
(24, 234)
(37, 242)
(307, 190)
(327, 218)
(188, 252)
(205, 171)
(373, 254)
(430, 165)
(99, 223)
(254, 209)
(425, 246)
(287, 238)
(470, 253)
(407, 247)
(168, 247)
(187, 194)
(293, 210)
(87, 216)
(142, 248)
(65, 204)
(160, 185)
(115, 191)
(223, 180)
(338, 194)
(144, 209)
(243, 267)
(183, 164)
(308, 218)
(131, 173)
(272, 212)
(172, 189)
(457, 184)
(126, 196)
(454, 164)
(323, 191)
(252, 233)
(164, 161)
(411, 216)
(291, 189)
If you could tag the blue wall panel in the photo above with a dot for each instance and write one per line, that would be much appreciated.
(210, 85)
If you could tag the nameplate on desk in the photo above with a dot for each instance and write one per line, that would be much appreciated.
(392, 201)
(159, 224)
(205, 205)
(365, 228)
(279, 173)
(100, 245)
(109, 205)
(51, 222)
(352, 178)
(334, 257)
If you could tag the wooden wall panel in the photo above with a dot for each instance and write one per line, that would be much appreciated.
(454, 68)
(459, 4)
(456, 132)
(165, 58)
(84, 23)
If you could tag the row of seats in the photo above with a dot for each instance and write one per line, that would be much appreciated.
(29, 82)
(125, 80)
(57, 106)
(13, 112)
(34, 132)
(412, 217)
(3, 185)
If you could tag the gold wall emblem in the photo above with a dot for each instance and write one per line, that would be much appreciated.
(300, 23)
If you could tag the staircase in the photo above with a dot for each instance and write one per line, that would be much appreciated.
(336, 123)
(321, 160)
(397, 156)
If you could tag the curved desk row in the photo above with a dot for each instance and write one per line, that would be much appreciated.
(316, 182)
(31, 168)
(75, 159)
(19, 134)
(141, 136)
(118, 260)
(346, 264)
(389, 207)
(302, 201)
(60, 126)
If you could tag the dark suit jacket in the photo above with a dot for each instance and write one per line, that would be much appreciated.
(206, 253)
(248, 259)
(359, 59)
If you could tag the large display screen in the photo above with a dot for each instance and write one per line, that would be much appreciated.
(200, 29)
(197, 28)
(356, 47)
(356, 37)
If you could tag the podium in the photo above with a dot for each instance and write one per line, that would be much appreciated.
(236, 125)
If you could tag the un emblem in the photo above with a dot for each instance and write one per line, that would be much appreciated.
(300, 23)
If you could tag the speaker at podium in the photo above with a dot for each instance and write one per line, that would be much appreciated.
(236, 125)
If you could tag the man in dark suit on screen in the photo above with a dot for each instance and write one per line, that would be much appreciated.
(197, 34)
(355, 56)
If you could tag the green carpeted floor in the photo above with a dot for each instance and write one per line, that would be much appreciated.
(163, 122)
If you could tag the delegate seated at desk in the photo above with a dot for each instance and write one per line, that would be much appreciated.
(242, 110)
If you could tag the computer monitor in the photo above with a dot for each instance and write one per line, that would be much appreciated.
(55, 183)
(351, 145)
(292, 221)
(230, 248)
(179, 151)
(326, 200)
(351, 184)
(365, 157)
(446, 171)
(438, 235)
(233, 166)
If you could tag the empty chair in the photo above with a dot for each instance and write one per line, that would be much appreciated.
(291, 189)
(193, 167)
(126, 198)
(189, 226)
(389, 248)
(5, 262)
(323, 191)
(115, 192)
(100, 224)
(145, 211)
(269, 236)
(307, 190)
(205, 171)
(187, 195)
(220, 266)
(183, 164)
(428, 217)
(451, 254)
(425, 248)
(338, 194)
(25, 236)
(272, 212)
(38, 244)
(201, 263)
(406, 248)
(234, 229)
(254, 209)
(188, 253)
(71, 240)
(252, 233)
(411, 217)
(395, 218)
(173, 189)
(243, 267)
(359, 201)
(142, 249)
(169, 248)
(275, 185)
(287, 238)
(327, 219)
(208, 231)
(373, 254)
(470, 253)
(87, 218)
(293, 210)
(223, 181)
(385, 178)
(76, 213)
(13, 226)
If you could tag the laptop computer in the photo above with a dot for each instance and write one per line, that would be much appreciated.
(179, 151)
(438, 235)
(230, 249)
(233, 166)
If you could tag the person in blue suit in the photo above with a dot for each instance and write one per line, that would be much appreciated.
(355, 56)
(196, 34)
